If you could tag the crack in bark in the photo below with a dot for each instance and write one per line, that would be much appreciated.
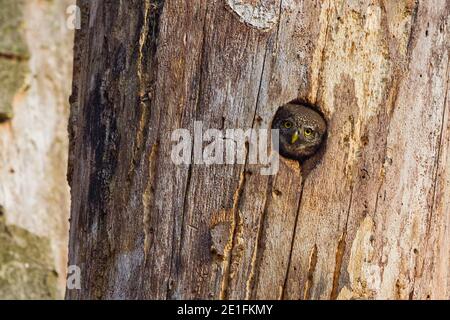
(338, 266)
(310, 274)
(223, 294)
(152, 13)
(435, 178)
(340, 253)
(142, 42)
(13, 56)
(224, 291)
(256, 259)
(412, 30)
(279, 23)
(323, 52)
(183, 214)
(191, 165)
(438, 153)
(283, 290)
(148, 198)
(254, 272)
(436, 171)
(288, 267)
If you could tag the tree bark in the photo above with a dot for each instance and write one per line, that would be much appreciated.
(35, 81)
(370, 221)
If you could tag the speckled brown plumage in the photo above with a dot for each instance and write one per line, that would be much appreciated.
(301, 130)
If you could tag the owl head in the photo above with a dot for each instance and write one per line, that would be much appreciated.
(301, 130)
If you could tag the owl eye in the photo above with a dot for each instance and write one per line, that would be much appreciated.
(287, 124)
(308, 132)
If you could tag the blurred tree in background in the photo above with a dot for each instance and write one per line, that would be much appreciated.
(35, 81)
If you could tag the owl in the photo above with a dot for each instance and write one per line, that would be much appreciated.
(301, 131)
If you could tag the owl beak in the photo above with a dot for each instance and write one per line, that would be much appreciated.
(295, 137)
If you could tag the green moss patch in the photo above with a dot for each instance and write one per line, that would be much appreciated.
(26, 265)
(13, 54)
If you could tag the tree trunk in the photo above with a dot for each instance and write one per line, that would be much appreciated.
(371, 219)
(35, 77)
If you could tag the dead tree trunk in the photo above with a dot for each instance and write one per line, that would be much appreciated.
(372, 219)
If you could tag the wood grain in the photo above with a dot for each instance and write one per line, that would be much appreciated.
(369, 221)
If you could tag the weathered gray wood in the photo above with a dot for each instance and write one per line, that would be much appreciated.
(370, 221)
